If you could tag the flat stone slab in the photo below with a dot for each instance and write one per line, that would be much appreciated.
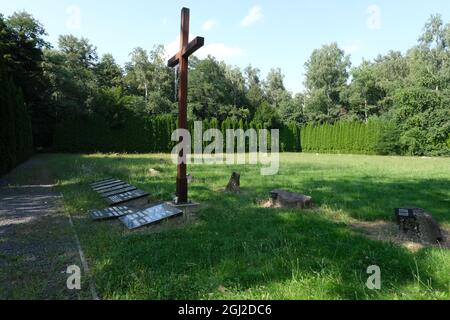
(101, 182)
(115, 191)
(126, 197)
(149, 216)
(111, 213)
(286, 199)
(109, 186)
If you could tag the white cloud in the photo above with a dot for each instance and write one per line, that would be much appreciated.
(218, 50)
(352, 48)
(255, 14)
(209, 24)
(172, 48)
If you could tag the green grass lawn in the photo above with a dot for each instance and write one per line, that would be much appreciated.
(237, 250)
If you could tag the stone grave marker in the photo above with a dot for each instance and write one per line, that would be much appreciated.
(94, 184)
(112, 192)
(108, 186)
(419, 224)
(149, 216)
(110, 213)
(136, 198)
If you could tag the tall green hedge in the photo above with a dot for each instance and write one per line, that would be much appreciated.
(16, 143)
(153, 134)
(145, 135)
(342, 137)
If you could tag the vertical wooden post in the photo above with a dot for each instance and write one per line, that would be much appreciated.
(181, 58)
(182, 191)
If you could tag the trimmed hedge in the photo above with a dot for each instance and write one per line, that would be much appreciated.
(16, 143)
(145, 135)
(153, 135)
(95, 134)
(343, 137)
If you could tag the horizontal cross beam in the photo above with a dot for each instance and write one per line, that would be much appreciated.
(193, 46)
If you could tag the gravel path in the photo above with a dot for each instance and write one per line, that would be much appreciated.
(37, 243)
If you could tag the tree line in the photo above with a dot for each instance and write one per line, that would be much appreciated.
(409, 93)
(16, 78)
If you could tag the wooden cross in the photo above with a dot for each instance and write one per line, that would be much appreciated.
(181, 58)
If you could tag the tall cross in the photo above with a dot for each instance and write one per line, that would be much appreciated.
(186, 49)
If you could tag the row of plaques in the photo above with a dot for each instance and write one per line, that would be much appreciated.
(117, 192)
(133, 218)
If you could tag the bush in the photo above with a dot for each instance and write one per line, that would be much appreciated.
(389, 140)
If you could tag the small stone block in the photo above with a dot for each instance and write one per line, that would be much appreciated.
(286, 199)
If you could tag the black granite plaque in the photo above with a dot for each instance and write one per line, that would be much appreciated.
(111, 213)
(127, 196)
(98, 183)
(108, 186)
(109, 193)
(149, 216)
(114, 187)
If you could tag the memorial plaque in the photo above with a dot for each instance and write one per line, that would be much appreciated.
(125, 197)
(110, 193)
(149, 216)
(110, 213)
(93, 184)
(109, 183)
(113, 187)
(404, 212)
(108, 186)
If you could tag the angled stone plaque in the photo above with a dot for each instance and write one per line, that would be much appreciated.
(109, 193)
(149, 216)
(125, 197)
(108, 186)
(110, 213)
(113, 188)
(97, 183)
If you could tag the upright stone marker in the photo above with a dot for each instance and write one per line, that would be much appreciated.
(181, 58)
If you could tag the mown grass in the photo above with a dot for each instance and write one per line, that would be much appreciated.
(238, 250)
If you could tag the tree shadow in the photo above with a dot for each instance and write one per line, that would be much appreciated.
(370, 199)
(243, 247)
(252, 251)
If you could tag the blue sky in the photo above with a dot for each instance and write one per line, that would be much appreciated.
(267, 34)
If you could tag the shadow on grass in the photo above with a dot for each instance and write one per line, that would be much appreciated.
(242, 248)
(371, 199)
(254, 252)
